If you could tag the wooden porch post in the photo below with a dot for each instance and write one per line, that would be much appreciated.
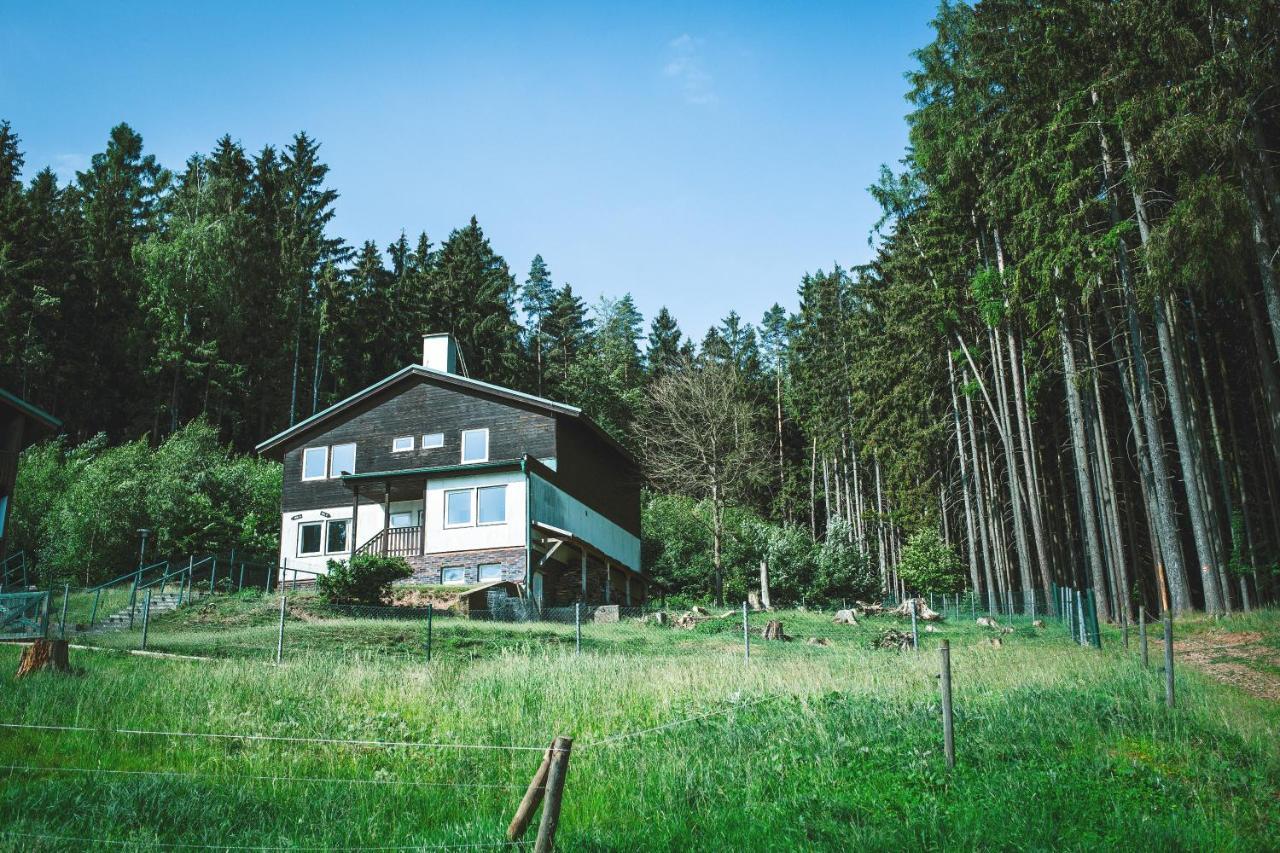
(386, 515)
(355, 515)
(422, 532)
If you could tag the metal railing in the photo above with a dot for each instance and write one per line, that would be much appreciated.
(12, 568)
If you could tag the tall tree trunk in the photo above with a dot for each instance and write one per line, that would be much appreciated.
(1032, 491)
(1080, 453)
(983, 526)
(1107, 490)
(964, 479)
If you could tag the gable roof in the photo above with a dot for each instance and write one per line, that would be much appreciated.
(464, 383)
(33, 413)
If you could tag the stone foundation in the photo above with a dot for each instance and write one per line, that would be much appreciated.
(427, 568)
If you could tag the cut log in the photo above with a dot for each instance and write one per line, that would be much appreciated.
(845, 617)
(773, 631)
(997, 642)
(699, 611)
(658, 618)
(817, 641)
(753, 600)
(869, 609)
(988, 622)
(923, 612)
(1039, 623)
(44, 655)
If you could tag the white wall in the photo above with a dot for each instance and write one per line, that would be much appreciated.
(512, 533)
(440, 539)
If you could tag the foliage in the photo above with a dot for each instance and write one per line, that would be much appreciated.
(929, 565)
(843, 571)
(364, 579)
(79, 507)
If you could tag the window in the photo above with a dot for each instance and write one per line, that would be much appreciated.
(313, 461)
(309, 538)
(432, 440)
(475, 445)
(403, 519)
(453, 574)
(342, 460)
(402, 444)
(457, 508)
(491, 505)
(336, 538)
(490, 572)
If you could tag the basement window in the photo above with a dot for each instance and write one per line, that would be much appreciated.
(453, 574)
(490, 572)
(475, 445)
(402, 444)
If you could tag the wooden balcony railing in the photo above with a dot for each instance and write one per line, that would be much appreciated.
(394, 542)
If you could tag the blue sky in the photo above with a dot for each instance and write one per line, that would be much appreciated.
(699, 156)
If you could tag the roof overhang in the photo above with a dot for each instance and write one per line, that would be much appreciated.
(436, 471)
(43, 421)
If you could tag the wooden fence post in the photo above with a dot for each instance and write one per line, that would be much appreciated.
(431, 612)
(532, 798)
(948, 731)
(915, 633)
(280, 634)
(746, 635)
(556, 774)
(62, 622)
(1168, 659)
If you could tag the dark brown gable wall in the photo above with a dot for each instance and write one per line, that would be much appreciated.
(594, 472)
(415, 406)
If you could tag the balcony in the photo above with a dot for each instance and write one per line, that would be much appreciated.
(394, 542)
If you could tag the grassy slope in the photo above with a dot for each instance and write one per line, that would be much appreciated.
(1058, 746)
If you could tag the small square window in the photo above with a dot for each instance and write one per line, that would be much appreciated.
(475, 445)
(309, 538)
(337, 536)
(490, 572)
(313, 462)
(342, 460)
(457, 508)
(453, 574)
(402, 444)
(491, 505)
(432, 440)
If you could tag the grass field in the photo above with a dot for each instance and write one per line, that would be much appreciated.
(679, 744)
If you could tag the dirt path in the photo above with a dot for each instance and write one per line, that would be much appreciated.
(1238, 658)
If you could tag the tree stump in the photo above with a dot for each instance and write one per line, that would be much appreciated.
(773, 631)
(44, 654)
(845, 617)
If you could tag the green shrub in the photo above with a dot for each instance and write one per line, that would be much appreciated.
(843, 572)
(364, 579)
(929, 565)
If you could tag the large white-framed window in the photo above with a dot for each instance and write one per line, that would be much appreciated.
(475, 445)
(453, 574)
(457, 507)
(342, 460)
(310, 535)
(432, 440)
(337, 535)
(314, 463)
(491, 505)
(490, 572)
(402, 444)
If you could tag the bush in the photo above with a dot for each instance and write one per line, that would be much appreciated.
(929, 565)
(843, 571)
(364, 579)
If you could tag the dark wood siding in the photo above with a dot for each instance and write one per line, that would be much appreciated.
(415, 406)
(596, 473)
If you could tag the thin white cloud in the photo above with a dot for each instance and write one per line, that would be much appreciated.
(65, 166)
(685, 66)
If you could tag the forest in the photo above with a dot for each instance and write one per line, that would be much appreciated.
(1060, 363)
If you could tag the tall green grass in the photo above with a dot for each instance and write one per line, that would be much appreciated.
(804, 748)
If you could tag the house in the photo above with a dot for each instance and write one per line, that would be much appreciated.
(21, 425)
(470, 482)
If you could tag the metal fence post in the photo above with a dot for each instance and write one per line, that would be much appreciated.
(133, 601)
(431, 612)
(93, 614)
(746, 635)
(240, 588)
(62, 622)
(1168, 659)
(577, 627)
(213, 577)
(280, 634)
(146, 620)
(948, 730)
(1142, 635)
(915, 633)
